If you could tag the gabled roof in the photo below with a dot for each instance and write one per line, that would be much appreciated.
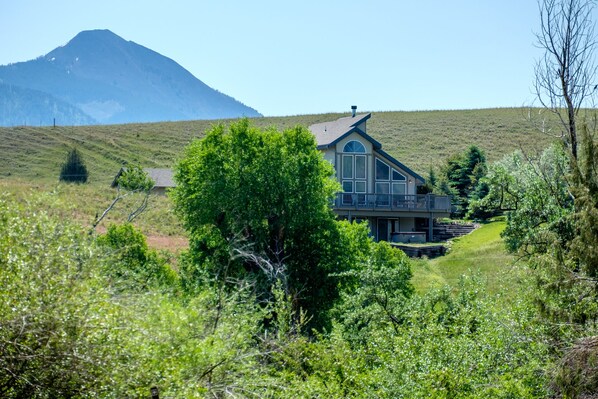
(329, 133)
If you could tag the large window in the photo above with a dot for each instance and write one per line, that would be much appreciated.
(354, 173)
(390, 185)
(354, 146)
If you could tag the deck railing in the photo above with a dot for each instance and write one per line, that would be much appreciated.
(393, 202)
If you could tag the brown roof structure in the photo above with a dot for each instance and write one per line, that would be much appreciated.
(329, 133)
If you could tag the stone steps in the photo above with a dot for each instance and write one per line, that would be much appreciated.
(447, 231)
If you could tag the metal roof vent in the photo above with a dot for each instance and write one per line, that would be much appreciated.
(353, 110)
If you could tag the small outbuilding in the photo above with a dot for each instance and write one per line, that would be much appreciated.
(162, 177)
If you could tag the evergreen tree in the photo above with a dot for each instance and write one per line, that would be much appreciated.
(74, 169)
(460, 176)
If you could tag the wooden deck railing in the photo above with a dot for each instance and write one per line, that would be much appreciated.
(393, 202)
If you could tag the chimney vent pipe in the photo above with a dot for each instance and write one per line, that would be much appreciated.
(353, 110)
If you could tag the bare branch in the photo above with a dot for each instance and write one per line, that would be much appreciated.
(565, 75)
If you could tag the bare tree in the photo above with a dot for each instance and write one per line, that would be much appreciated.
(565, 74)
(132, 179)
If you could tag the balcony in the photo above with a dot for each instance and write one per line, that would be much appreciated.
(393, 202)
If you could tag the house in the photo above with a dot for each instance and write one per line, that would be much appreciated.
(163, 179)
(376, 187)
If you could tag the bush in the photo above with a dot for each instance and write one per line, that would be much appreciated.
(74, 169)
(57, 323)
(135, 265)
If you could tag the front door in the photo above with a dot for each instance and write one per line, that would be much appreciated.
(386, 228)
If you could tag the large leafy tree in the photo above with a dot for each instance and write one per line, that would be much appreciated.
(266, 193)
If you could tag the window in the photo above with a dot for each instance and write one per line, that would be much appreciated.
(354, 146)
(382, 170)
(347, 166)
(396, 176)
(354, 173)
(360, 166)
(389, 182)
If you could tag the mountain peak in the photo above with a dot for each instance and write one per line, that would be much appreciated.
(117, 81)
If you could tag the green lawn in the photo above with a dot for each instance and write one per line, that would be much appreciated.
(480, 253)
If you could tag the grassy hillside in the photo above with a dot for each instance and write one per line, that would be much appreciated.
(418, 139)
(480, 253)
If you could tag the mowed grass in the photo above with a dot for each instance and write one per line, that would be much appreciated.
(481, 253)
(418, 139)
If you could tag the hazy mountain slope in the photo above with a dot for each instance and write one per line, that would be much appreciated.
(25, 107)
(119, 81)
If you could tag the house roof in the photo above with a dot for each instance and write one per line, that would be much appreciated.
(329, 133)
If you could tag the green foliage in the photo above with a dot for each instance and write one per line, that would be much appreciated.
(553, 224)
(381, 290)
(67, 332)
(56, 318)
(445, 346)
(134, 178)
(134, 265)
(535, 191)
(460, 178)
(267, 193)
(73, 170)
(584, 245)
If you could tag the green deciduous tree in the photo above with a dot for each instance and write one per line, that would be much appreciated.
(73, 170)
(269, 193)
(376, 297)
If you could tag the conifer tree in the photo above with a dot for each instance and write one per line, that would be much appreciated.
(74, 169)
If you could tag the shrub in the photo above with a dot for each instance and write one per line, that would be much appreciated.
(134, 264)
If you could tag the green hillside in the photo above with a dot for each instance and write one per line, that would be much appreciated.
(418, 139)
(480, 253)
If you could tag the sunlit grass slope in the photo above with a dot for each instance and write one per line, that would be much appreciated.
(418, 139)
(480, 253)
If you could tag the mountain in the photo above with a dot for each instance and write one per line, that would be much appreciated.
(117, 81)
(21, 106)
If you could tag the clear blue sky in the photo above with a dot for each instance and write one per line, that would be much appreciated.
(312, 56)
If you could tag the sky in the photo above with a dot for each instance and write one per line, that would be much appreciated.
(312, 56)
